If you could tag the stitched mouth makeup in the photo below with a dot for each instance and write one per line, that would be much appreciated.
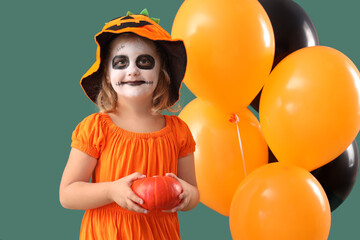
(134, 83)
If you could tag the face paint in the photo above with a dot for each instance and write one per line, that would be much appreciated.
(120, 62)
(134, 83)
(133, 68)
(145, 62)
(119, 48)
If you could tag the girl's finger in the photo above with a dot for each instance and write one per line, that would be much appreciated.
(135, 198)
(135, 176)
(182, 195)
(134, 207)
(179, 207)
(182, 205)
(172, 175)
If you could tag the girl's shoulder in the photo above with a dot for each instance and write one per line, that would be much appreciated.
(175, 121)
(90, 134)
(177, 125)
(182, 134)
(92, 117)
(95, 120)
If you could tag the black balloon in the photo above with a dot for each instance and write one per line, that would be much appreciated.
(293, 30)
(272, 158)
(339, 176)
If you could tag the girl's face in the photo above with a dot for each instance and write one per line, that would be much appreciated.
(133, 67)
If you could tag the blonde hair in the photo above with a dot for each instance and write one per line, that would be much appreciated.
(107, 97)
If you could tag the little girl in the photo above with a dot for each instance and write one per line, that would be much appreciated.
(137, 74)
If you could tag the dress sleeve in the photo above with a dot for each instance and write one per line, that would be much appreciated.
(184, 137)
(88, 136)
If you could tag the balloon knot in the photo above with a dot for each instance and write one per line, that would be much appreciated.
(234, 118)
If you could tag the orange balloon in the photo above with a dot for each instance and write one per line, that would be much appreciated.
(218, 159)
(230, 48)
(310, 107)
(280, 201)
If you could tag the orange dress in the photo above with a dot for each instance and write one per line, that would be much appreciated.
(121, 153)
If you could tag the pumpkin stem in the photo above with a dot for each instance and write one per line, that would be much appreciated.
(145, 12)
(157, 20)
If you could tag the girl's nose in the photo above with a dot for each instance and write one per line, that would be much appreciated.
(133, 70)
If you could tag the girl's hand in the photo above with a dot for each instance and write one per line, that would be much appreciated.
(189, 194)
(122, 194)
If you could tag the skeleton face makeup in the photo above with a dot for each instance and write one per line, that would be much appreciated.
(134, 67)
(144, 61)
(120, 62)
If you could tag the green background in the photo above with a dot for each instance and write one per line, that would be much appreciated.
(46, 46)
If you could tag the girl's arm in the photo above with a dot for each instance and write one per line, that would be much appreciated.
(187, 178)
(77, 193)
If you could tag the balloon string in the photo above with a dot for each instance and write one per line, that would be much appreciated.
(235, 119)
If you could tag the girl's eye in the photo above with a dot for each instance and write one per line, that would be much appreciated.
(120, 62)
(145, 62)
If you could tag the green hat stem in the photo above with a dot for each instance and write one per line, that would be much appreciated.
(145, 13)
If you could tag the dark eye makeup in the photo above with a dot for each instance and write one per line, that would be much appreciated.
(143, 61)
(120, 62)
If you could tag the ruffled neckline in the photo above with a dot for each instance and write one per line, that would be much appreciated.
(108, 121)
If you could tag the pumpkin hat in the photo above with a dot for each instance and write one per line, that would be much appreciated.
(141, 25)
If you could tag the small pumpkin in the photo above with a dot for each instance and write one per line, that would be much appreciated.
(158, 192)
